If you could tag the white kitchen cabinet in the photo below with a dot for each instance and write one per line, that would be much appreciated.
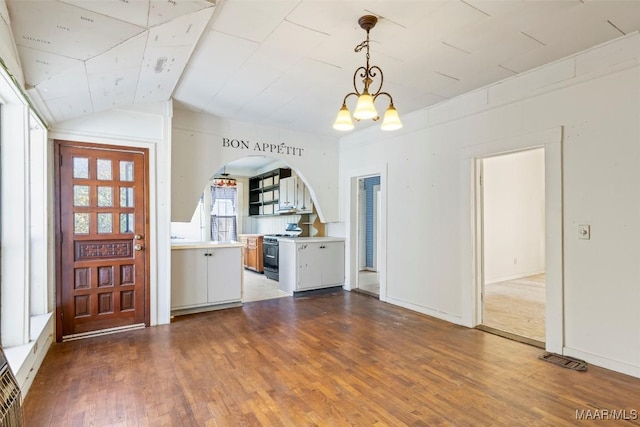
(294, 195)
(303, 198)
(311, 263)
(287, 200)
(202, 277)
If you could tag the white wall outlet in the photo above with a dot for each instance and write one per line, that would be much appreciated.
(584, 232)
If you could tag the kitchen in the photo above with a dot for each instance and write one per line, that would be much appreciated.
(261, 221)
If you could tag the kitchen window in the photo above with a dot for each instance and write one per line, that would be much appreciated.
(224, 214)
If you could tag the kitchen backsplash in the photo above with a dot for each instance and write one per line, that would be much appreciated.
(268, 224)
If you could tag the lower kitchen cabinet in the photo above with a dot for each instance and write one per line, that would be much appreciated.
(202, 277)
(311, 263)
(252, 251)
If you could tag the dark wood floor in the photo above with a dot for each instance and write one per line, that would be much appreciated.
(335, 359)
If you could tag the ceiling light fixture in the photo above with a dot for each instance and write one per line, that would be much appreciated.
(365, 109)
(223, 180)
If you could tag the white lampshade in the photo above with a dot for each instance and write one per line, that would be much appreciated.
(343, 120)
(365, 108)
(391, 119)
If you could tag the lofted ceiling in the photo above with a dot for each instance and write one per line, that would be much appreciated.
(289, 63)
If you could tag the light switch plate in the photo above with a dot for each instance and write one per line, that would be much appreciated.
(584, 232)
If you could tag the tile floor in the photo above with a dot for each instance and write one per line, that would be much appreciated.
(258, 287)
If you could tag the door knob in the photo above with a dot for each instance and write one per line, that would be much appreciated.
(138, 247)
(137, 237)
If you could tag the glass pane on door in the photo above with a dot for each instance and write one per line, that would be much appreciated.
(81, 223)
(126, 170)
(80, 167)
(80, 195)
(105, 196)
(104, 170)
(105, 223)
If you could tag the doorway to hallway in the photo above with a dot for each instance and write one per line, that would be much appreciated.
(512, 192)
(368, 280)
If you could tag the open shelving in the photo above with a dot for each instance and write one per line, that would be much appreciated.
(264, 191)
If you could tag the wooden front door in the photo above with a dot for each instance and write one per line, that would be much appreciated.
(101, 233)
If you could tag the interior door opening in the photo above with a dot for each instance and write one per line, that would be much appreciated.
(511, 190)
(369, 205)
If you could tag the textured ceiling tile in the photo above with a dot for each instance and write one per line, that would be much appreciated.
(182, 31)
(113, 76)
(561, 45)
(40, 66)
(70, 106)
(624, 14)
(332, 20)
(217, 58)
(502, 51)
(66, 30)
(161, 69)
(69, 82)
(522, 14)
(252, 20)
(133, 11)
(294, 39)
(161, 11)
(249, 81)
(451, 18)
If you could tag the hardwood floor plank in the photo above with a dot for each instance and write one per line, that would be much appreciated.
(329, 359)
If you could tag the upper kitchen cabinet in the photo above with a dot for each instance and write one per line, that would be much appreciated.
(294, 196)
(264, 192)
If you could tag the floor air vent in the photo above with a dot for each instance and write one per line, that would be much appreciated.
(565, 361)
(10, 409)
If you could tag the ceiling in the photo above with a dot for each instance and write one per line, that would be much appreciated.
(289, 63)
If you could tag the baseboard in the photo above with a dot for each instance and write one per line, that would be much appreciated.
(425, 310)
(513, 276)
(205, 308)
(603, 362)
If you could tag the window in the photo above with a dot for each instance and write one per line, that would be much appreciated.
(224, 210)
(25, 259)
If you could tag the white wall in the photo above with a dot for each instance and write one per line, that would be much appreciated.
(514, 227)
(145, 126)
(595, 98)
(198, 152)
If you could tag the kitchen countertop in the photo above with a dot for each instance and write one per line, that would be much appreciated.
(310, 239)
(194, 244)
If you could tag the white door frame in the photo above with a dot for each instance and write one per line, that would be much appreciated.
(352, 213)
(551, 140)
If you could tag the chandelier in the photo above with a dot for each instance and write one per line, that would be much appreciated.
(223, 180)
(366, 97)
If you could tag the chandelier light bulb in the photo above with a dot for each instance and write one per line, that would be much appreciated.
(343, 120)
(364, 108)
(391, 119)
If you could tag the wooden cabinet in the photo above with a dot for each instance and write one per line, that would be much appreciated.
(205, 277)
(264, 192)
(312, 263)
(252, 251)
